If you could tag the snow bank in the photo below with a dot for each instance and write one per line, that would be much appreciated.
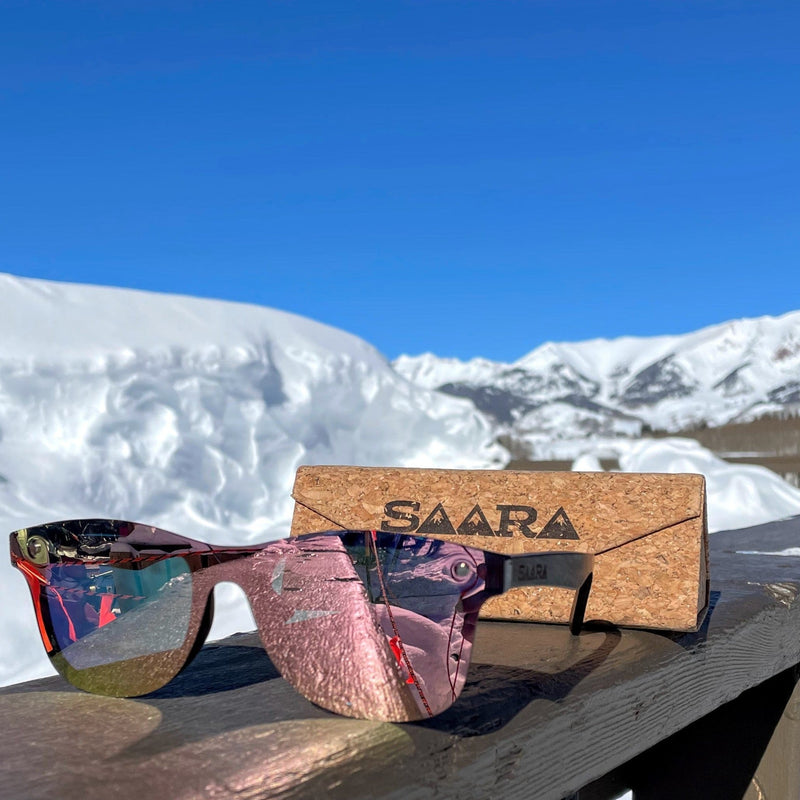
(191, 415)
(739, 495)
(587, 462)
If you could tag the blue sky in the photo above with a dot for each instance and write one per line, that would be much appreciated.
(470, 178)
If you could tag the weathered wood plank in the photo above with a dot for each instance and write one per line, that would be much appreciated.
(542, 714)
(746, 749)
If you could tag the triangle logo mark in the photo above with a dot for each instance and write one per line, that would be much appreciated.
(475, 523)
(559, 527)
(437, 522)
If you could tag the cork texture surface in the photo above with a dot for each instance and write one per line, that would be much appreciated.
(648, 531)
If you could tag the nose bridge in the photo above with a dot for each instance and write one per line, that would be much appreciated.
(249, 568)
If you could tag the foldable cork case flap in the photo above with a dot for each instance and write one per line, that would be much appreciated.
(647, 530)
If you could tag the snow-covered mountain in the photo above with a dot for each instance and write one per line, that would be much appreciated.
(549, 401)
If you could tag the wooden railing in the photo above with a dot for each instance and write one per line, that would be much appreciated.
(713, 714)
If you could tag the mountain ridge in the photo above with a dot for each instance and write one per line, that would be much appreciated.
(605, 389)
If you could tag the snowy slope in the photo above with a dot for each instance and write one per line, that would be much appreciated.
(561, 393)
(192, 415)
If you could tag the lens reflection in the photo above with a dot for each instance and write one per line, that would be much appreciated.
(368, 627)
(101, 614)
(416, 587)
(114, 616)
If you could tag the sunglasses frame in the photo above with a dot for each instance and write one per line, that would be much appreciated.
(255, 569)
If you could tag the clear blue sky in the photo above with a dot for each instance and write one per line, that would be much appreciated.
(469, 177)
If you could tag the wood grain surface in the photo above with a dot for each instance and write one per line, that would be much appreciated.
(542, 713)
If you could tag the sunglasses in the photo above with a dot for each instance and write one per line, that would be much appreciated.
(366, 624)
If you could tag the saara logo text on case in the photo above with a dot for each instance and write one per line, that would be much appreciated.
(402, 516)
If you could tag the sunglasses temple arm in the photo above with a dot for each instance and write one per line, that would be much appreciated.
(579, 606)
(568, 570)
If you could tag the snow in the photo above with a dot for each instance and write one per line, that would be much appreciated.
(587, 462)
(191, 415)
(431, 371)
